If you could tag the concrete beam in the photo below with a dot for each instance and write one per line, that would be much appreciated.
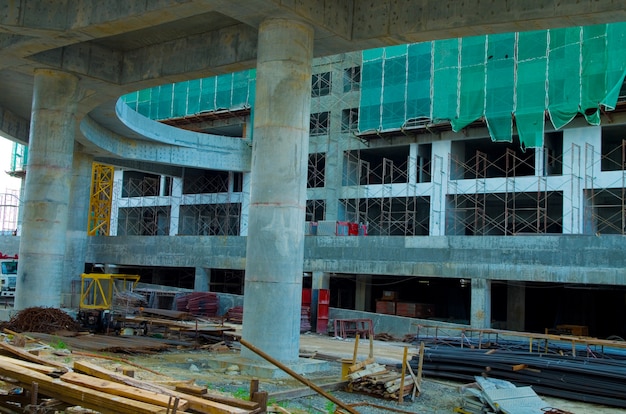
(408, 21)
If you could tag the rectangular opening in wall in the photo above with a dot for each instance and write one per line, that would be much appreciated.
(424, 164)
(143, 221)
(317, 170)
(196, 181)
(321, 84)
(613, 156)
(320, 123)
(386, 165)
(350, 120)
(352, 79)
(315, 210)
(209, 219)
(482, 158)
(395, 216)
(553, 153)
(140, 184)
(498, 214)
(605, 211)
(237, 182)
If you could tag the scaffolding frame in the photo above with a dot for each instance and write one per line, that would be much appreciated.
(605, 206)
(509, 210)
(100, 200)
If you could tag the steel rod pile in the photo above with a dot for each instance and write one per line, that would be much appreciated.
(593, 380)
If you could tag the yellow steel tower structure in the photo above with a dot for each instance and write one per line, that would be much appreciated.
(100, 200)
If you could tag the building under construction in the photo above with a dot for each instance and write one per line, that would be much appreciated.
(465, 181)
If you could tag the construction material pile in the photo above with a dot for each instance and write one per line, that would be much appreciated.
(371, 378)
(490, 395)
(595, 378)
(128, 299)
(41, 319)
(198, 303)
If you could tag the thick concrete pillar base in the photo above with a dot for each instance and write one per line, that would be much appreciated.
(275, 243)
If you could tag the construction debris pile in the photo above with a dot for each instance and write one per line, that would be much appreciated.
(371, 378)
(198, 303)
(41, 319)
(42, 385)
(595, 378)
(489, 395)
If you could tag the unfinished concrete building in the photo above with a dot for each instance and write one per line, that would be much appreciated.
(509, 213)
(473, 180)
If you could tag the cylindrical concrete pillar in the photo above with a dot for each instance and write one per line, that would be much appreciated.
(47, 189)
(275, 243)
(76, 241)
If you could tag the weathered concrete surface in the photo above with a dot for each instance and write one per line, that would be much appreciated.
(280, 155)
(47, 190)
(564, 258)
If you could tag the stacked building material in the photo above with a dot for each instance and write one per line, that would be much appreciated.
(235, 314)
(588, 379)
(375, 379)
(489, 395)
(305, 319)
(199, 303)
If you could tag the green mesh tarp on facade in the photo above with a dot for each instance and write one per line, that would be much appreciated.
(225, 92)
(510, 80)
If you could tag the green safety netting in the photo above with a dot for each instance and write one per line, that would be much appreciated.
(511, 80)
(225, 92)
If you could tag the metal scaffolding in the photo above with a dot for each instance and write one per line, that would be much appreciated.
(199, 203)
(100, 200)
(520, 202)
(605, 201)
(386, 199)
(9, 205)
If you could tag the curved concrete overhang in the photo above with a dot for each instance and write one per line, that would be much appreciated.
(163, 144)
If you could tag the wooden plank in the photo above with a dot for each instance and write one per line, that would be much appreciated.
(44, 369)
(204, 404)
(121, 390)
(305, 392)
(191, 389)
(30, 357)
(360, 365)
(78, 395)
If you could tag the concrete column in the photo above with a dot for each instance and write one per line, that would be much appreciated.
(176, 197)
(481, 304)
(118, 185)
(516, 306)
(363, 294)
(203, 280)
(76, 248)
(320, 280)
(245, 205)
(47, 191)
(275, 243)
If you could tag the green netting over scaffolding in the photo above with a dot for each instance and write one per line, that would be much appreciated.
(229, 92)
(510, 80)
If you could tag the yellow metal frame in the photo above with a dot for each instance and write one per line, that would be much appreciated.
(100, 200)
(97, 289)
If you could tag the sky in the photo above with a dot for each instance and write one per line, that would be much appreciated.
(6, 181)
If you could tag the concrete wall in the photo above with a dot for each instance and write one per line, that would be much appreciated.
(558, 258)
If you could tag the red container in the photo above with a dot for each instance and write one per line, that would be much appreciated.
(306, 297)
(323, 307)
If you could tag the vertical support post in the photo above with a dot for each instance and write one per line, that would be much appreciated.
(47, 189)
(275, 243)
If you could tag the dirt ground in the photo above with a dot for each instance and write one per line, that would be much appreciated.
(437, 396)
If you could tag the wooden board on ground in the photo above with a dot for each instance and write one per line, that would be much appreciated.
(109, 343)
(78, 395)
(202, 404)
